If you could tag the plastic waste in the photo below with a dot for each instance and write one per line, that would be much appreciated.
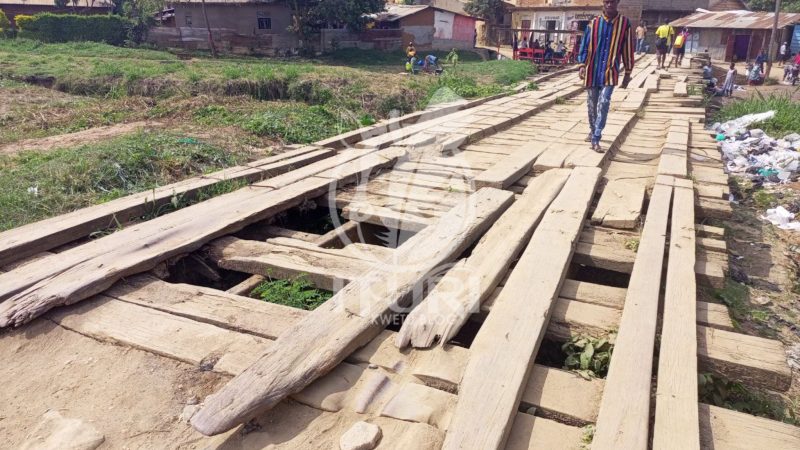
(782, 218)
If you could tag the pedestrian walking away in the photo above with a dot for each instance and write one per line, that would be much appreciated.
(664, 35)
(608, 40)
(679, 48)
(784, 52)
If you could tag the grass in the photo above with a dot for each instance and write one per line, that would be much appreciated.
(36, 185)
(122, 84)
(787, 113)
(297, 292)
(734, 395)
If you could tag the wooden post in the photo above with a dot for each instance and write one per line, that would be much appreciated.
(772, 39)
(208, 27)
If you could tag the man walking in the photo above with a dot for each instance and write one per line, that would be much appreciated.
(664, 35)
(607, 40)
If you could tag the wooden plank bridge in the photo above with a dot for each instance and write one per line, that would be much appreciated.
(492, 216)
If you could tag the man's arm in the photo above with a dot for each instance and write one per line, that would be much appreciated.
(627, 54)
(583, 53)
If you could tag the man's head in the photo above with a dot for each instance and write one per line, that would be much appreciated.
(665, 22)
(610, 8)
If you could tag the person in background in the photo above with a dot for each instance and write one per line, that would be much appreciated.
(797, 59)
(560, 49)
(608, 40)
(641, 32)
(787, 72)
(761, 59)
(664, 35)
(679, 48)
(411, 51)
(784, 52)
(536, 45)
(754, 75)
(730, 78)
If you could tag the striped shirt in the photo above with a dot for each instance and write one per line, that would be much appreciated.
(604, 43)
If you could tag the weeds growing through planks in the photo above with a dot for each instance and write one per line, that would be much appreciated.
(297, 292)
(589, 357)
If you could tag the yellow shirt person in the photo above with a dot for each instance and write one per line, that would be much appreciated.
(665, 31)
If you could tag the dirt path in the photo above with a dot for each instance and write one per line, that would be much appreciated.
(131, 397)
(78, 138)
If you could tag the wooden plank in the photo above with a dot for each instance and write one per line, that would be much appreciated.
(710, 231)
(362, 212)
(497, 372)
(328, 269)
(753, 360)
(315, 345)
(461, 291)
(83, 271)
(676, 420)
(201, 304)
(339, 236)
(722, 428)
(48, 234)
(714, 315)
(508, 170)
(620, 204)
(597, 294)
(625, 409)
(246, 286)
(529, 432)
(545, 390)
(273, 231)
(714, 245)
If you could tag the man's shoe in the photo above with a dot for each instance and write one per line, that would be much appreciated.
(596, 147)
(588, 138)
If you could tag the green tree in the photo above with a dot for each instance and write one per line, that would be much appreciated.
(490, 10)
(61, 4)
(308, 16)
(769, 5)
(5, 24)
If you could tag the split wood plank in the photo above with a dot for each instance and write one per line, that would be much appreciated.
(461, 291)
(676, 421)
(48, 234)
(363, 212)
(246, 286)
(273, 231)
(496, 373)
(620, 204)
(623, 421)
(86, 270)
(320, 341)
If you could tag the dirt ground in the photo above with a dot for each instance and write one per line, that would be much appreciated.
(133, 398)
(78, 138)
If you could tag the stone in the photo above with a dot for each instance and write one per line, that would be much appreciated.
(57, 432)
(188, 412)
(792, 137)
(361, 436)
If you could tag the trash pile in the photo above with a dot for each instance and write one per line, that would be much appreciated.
(781, 218)
(754, 154)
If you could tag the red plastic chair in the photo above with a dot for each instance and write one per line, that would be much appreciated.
(563, 60)
(538, 56)
(525, 54)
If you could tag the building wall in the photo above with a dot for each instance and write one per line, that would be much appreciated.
(432, 29)
(234, 28)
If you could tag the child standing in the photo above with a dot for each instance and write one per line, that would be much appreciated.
(730, 77)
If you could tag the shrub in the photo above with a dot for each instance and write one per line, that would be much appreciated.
(5, 24)
(300, 123)
(49, 27)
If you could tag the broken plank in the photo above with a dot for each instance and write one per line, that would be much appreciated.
(50, 233)
(460, 292)
(620, 204)
(496, 373)
(624, 416)
(676, 419)
(86, 270)
(529, 432)
(545, 390)
(328, 269)
(316, 344)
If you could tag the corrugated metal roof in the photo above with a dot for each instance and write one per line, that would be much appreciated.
(740, 19)
(396, 12)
